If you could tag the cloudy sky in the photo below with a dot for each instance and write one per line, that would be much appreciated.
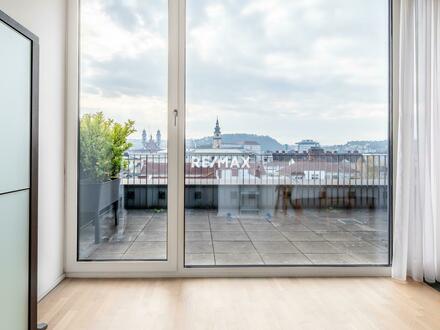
(291, 69)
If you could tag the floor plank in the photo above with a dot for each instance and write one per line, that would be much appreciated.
(267, 303)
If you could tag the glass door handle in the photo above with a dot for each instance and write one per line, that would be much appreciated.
(176, 113)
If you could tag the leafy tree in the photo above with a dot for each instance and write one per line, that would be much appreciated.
(102, 146)
(119, 136)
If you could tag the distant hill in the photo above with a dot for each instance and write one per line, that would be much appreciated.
(361, 146)
(266, 142)
(269, 143)
(136, 143)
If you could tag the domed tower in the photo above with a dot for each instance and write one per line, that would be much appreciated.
(158, 138)
(144, 138)
(217, 138)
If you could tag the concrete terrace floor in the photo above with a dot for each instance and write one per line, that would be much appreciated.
(301, 237)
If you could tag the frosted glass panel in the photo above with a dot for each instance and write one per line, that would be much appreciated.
(15, 84)
(14, 256)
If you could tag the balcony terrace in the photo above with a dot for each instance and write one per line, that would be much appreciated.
(298, 237)
(322, 211)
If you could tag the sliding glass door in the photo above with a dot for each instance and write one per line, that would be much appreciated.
(258, 130)
(287, 150)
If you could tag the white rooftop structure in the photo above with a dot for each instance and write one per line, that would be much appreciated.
(212, 151)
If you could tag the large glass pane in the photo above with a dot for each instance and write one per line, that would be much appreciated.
(287, 133)
(122, 169)
(15, 98)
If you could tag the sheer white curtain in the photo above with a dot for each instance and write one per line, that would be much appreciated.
(417, 208)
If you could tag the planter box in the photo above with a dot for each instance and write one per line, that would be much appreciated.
(94, 198)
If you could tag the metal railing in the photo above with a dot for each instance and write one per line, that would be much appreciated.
(327, 169)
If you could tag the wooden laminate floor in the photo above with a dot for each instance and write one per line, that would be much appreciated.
(270, 303)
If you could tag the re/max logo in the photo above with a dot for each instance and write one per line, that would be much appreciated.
(226, 161)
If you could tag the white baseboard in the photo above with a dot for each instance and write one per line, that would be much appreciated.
(376, 271)
(51, 287)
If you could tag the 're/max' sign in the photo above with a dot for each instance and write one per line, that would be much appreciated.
(221, 161)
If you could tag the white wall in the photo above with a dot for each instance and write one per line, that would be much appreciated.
(47, 19)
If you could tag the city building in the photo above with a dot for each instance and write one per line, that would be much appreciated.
(220, 147)
(252, 146)
(305, 145)
(148, 145)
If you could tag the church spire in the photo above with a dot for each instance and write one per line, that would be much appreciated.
(217, 138)
(217, 128)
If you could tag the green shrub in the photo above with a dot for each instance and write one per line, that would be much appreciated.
(102, 145)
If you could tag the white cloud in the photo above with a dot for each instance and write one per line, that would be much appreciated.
(102, 38)
(289, 69)
(148, 112)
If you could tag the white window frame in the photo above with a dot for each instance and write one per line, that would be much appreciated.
(73, 266)
(174, 265)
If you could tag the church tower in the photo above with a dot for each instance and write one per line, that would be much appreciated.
(144, 138)
(158, 138)
(217, 138)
